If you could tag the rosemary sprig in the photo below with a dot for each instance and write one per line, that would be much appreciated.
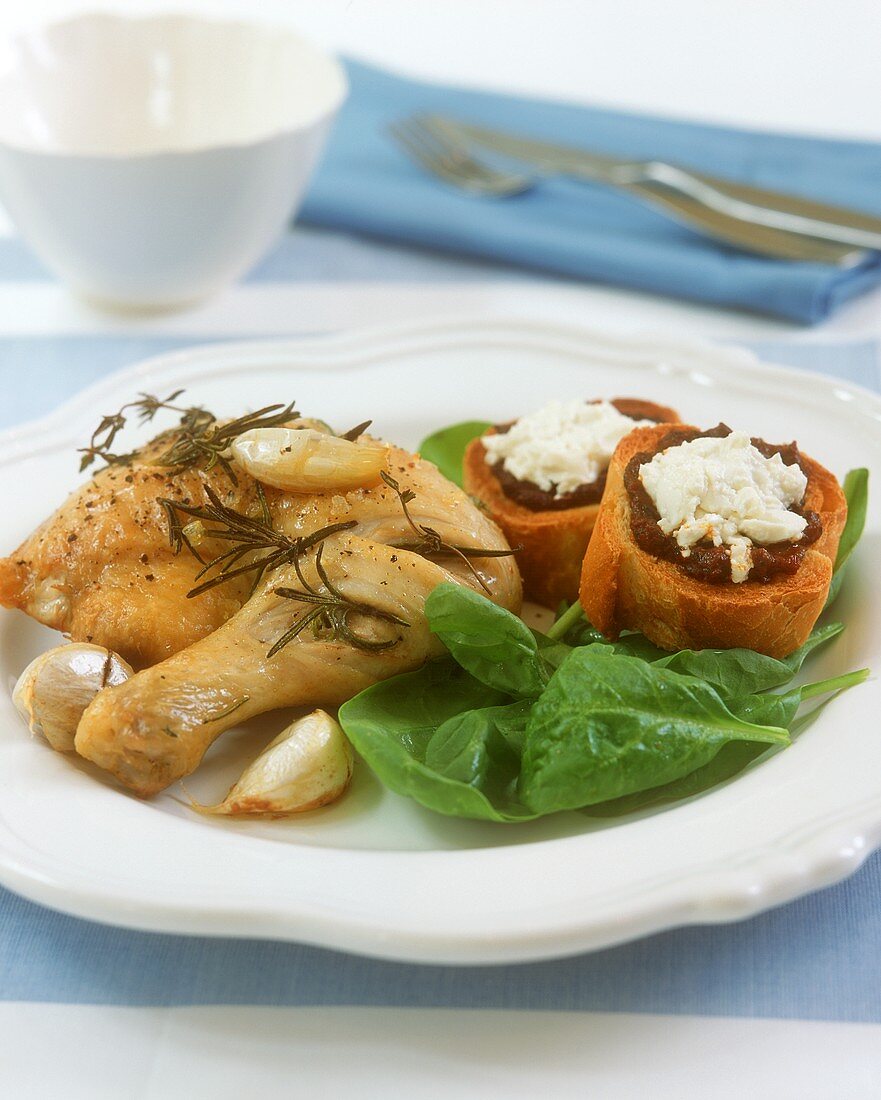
(429, 542)
(246, 536)
(331, 609)
(201, 440)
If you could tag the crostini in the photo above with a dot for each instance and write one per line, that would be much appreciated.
(541, 478)
(712, 540)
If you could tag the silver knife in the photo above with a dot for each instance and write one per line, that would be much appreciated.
(755, 205)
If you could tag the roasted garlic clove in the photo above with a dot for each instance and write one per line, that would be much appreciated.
(307, 766)
(305, 460)
(56, 687)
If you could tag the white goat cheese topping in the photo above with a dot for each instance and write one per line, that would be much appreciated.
(562, 445)
(725, 490)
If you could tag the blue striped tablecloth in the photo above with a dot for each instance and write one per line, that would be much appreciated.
(130, 1009)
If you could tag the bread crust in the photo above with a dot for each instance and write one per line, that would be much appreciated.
(553, 542)
(624, 587)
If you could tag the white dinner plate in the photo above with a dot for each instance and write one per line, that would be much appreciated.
(376, 873)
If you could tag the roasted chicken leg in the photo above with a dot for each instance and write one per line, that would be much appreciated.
(218, 669)
(158, 730)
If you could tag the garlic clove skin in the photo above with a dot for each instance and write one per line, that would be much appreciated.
(305, 460)
(56, 687)
(307, 766)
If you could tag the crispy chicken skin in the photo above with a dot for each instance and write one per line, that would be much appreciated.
(213, 667)
(101, 569)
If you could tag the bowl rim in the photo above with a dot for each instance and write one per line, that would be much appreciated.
(333, 100)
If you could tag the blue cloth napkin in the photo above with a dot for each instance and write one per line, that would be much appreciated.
(366, 184)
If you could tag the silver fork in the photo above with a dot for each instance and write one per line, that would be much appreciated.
(444, 150)
(450, 160)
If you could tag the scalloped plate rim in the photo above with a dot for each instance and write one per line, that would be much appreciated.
(834, 849)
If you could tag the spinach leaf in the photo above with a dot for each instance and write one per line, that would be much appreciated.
(780, 710)
(444, 739)
(493, 645)
(446, 448)
(768, 709)
(856, 491)
(729, 761)
(552, 652)
(573, 627)
(608, 725)
(612, 728)
(733, 672)
(737, 672)
(734, 757)
(636, 645)
(832, 688)
(482, 748)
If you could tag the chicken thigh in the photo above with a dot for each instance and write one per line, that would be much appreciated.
(101, 569)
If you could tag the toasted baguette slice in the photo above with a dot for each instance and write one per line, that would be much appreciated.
(553, 542)
(623, 587)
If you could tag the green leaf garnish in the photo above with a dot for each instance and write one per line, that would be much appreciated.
(514, 724)
(446, 448)
(496, 647)
(609, 725)
(856, 492)
(735, 757)
(442, 738)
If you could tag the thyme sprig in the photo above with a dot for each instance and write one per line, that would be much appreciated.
(246, 536)
(353, 433)
(249, 535)
(147, 405)
(201, 439)
(331, 609)
(207, 445)
(430, 543)
(227, 711)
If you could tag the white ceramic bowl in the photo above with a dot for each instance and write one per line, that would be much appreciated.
(149, 162)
